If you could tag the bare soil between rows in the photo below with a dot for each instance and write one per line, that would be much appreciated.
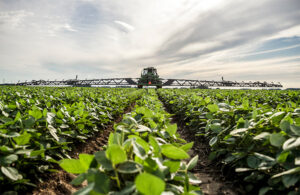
(213, 180)
(58, 183)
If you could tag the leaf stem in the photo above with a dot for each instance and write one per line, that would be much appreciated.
(117, 177)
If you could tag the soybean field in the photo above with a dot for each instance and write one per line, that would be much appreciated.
(84, 140)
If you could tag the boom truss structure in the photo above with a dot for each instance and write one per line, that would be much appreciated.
(165, 82)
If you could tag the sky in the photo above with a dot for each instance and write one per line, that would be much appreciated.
(184, 39)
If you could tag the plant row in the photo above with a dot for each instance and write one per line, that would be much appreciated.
(254, 133)
(144, 155)
(39, 126)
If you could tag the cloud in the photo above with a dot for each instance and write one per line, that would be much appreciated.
(192, 39)
(125, 27)
(232, 26)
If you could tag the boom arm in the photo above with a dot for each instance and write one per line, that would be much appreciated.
(165, 82)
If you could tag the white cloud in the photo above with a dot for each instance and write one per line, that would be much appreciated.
(191, 39)
(126, 27)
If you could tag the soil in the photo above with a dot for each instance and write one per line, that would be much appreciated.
(213, 181)
(58, 183)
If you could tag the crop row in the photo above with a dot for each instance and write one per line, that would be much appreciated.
(144, 155)
(39, 126)
(255, 133)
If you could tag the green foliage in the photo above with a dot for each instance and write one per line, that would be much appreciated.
(173, 152)
(255, 132)
(39, 126)
(116, 154)
(144, 155)
(77, 166)
(149, 184)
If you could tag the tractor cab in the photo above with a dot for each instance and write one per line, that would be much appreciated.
(148, 71)
(149, 77)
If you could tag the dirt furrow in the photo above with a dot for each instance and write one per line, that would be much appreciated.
(213, 182)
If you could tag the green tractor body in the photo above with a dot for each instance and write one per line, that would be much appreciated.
(149, 77)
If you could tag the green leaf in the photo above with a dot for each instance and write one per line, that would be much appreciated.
(129, 167)
(101, 158)
(212, 107)
(149, 184)
(253, 162)
(50, 118)
(37, 152)
(173, 165)
(285, 125)
(23, 139)
(290, 180)
(77, 166)
(6, 160)
(36, 113)
(245, 103)
(139, 150)
(101, 180)
(288, 172)
(264, 157)
(192, 163)
(11, 173)
(216, 127)
(53, 131)
(79, 179)
(277, 139)
(187, 147)
(45, 112)
(283, 156)
(72, 166)
(238, 131)
(6, 149)
(142, 128)
(291, 143)
(116, 154)
(115, 138)
(154, 144)
(173, 152)
(264, 190)
(207, 99)
(29, 122)
(60, 115)
(9, 134)
(171, 129)
(263, 135)
(295, 129)
(276, 118)
(213, 141)
(86, 160)
(18, 116)
(141, 142)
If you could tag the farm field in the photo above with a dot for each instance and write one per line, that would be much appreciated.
(252, 137)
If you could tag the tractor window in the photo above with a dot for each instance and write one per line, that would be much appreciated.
(144, 72)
